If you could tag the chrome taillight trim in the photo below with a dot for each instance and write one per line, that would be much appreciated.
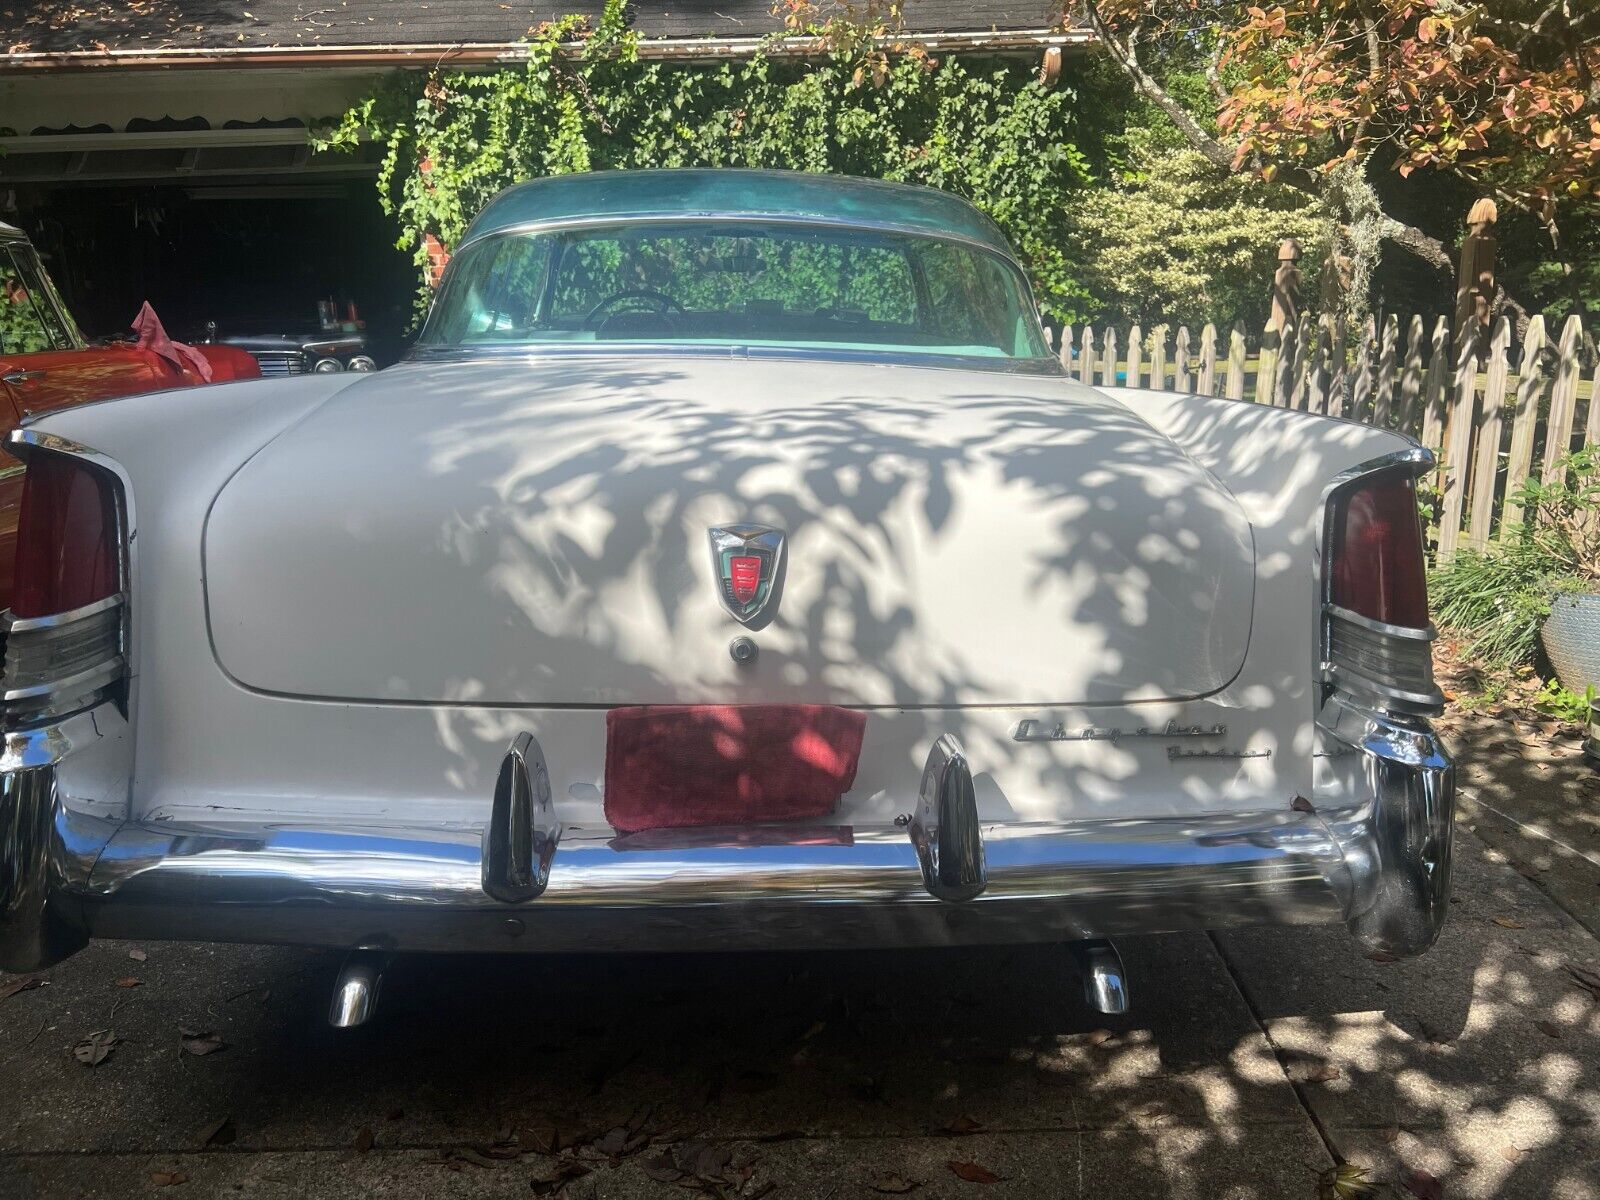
(15, 624)
(1411, 647)
(53, 699)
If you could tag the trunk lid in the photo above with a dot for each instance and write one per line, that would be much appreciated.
(536, 532)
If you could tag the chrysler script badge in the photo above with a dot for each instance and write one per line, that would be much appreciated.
(746, 559)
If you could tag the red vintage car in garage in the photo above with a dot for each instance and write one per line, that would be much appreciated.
(45, 365)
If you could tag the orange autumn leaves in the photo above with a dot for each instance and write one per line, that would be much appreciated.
(1507, 102)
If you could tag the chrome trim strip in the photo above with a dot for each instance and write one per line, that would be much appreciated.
(534, 353)
(11, 624)
(1428, 634)
(73, 686)
(731, 217)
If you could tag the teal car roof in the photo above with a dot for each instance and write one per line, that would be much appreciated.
(794, 195)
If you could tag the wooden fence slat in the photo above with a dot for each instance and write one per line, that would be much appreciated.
(1563, 399)
(1158, 359)
(1066, 348)
(1591, 427)
(1456, 434)
(1530, 388)
(1272, 351)
(1388, 356)
(1135, 357)
(1411, 376)
(1086, 356)
(1338, 378)
(1296, 390)
(1486, 468)
(1208, 362)
(1234, 386)
(1182, 362)
(1108, 366)
(1318, 369)
(1436, 386)
(1360, 385)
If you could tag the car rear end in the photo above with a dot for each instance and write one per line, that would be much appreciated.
(163, 778)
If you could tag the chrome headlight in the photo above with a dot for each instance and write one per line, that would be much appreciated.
(327, 366)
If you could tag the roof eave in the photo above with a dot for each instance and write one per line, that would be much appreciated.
(490, 53)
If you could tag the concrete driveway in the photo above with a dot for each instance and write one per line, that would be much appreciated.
(1251, 1060)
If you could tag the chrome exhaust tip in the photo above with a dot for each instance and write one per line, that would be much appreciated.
(1105, 983)
(355, 994)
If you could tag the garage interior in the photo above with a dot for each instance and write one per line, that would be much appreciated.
(222, 214)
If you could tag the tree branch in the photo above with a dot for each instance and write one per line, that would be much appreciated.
(1127, 58)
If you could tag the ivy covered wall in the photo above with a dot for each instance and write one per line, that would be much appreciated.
(983, 128)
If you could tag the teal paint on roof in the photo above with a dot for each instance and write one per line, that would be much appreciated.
(777, 194)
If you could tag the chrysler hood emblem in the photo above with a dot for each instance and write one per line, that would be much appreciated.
(746, 559)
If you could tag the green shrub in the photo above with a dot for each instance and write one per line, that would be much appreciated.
(1497, 599)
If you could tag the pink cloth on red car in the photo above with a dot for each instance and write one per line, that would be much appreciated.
(670, 766)
(153, 337)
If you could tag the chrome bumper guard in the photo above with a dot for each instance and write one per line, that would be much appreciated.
(523, 883)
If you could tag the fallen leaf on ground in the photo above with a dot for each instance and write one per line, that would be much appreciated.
(218, 1133)
(95, 1048)
(1345, 1182)
(364, 1139)
(1301, 804)
(1389, 1135)
(23, 983)
(168, 1178)
(1508, 923)
(1322, 1073)
(200, 1042)
(1423, 1186)
(550, 1176)
(972, 1172)
(894, 1185)
(661, 1168)
(128, 981)
(1510, 1153)
(542, 1138)
(137, 954)
(1098, 1037)
(959, 1127)
(1548, 1028)
(1586, 979)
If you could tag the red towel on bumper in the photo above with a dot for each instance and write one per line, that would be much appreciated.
(704, 764)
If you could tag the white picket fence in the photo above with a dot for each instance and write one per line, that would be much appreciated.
(1494, 411)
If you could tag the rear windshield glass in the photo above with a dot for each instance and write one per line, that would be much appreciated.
(749, 283)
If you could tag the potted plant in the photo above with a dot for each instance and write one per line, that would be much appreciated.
(1540, 585)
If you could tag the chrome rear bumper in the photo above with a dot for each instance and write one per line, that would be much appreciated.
(1381, 865)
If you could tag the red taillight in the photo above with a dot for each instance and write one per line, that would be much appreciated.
(67, 538)
(1376, 567)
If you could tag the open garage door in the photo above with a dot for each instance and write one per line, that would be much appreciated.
(255, 258)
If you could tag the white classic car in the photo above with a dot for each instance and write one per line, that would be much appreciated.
(729, 565)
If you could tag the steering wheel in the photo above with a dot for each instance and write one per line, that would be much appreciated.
(599, 314)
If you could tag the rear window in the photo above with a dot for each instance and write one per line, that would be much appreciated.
(750, 283)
